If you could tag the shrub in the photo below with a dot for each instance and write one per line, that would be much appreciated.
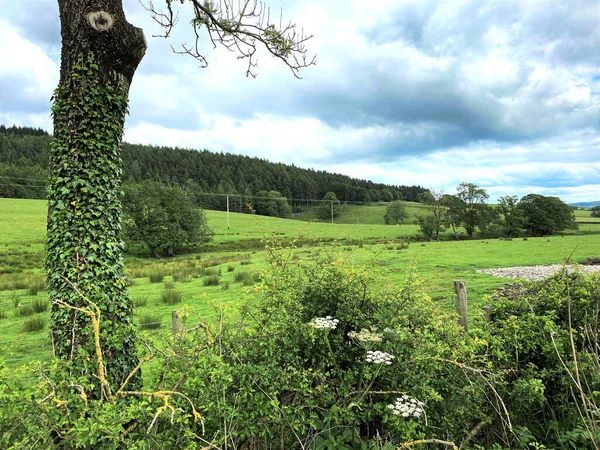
(40, 306)
(312, 353)
(171, 296)
(34, 324)
(150, 322)
(535, 327)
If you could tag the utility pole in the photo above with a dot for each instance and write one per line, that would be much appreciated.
(227, 212)
(331, 212)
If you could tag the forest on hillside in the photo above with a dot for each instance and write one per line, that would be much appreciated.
(24, 167)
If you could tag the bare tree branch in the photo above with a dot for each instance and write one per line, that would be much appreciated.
(240, 26)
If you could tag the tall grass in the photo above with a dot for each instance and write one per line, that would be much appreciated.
(138, 302)
(36, 285)
(171, 296)
(245, 277)
(212, 280)
(15, 282)
(156, 276)
(40, 305)
(25, 310)
(34, 324)
(150, 322)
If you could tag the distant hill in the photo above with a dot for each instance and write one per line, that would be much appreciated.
(208, 175)
(586, 204)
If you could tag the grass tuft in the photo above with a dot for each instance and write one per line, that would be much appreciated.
(244, 277)
(156, 276)
(212, 280)
(36, 285)
(138, 302)
(25, 310)
(35, 324)
(171, 296)
(150, 322)
(40, 305)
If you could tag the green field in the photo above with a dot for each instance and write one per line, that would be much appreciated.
(237, 253)
(372, 214)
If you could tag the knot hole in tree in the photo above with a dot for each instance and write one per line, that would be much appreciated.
(100, 20)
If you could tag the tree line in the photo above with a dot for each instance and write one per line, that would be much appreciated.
(24, 156)
(533, 214)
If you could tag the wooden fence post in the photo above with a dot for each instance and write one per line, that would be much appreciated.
(487, 312)
(460, 291)
(176, 325)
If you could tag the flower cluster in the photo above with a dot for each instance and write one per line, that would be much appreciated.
(389, 330)
(406, 406)
(325, 322)
(365, 335)
(377, 357)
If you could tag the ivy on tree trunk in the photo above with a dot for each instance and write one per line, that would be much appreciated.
(84, 264)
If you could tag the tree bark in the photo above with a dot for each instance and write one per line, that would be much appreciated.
(84, 265)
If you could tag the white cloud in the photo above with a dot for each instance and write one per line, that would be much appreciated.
(504, 94)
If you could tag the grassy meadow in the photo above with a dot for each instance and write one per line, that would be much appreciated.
(372, 214)
(226, 271)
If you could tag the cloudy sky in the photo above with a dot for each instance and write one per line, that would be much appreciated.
(505, 94)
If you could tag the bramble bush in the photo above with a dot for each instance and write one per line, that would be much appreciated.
(325, 356)
(544, 340)
(322, 355)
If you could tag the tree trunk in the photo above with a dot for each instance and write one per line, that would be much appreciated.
(84, 264)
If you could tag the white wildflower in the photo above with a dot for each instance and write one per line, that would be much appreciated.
(406, 406)
(365, 335)
(377, 357)
(325, 322)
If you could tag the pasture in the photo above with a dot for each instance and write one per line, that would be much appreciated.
(229, 268)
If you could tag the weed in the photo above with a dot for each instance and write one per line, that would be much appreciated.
(169, 285)
(35, 324)
(39, 305)
(2, 314)
(245, 262)
(230, 268)
(171, 296)
(150, 322)
(225, 285)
